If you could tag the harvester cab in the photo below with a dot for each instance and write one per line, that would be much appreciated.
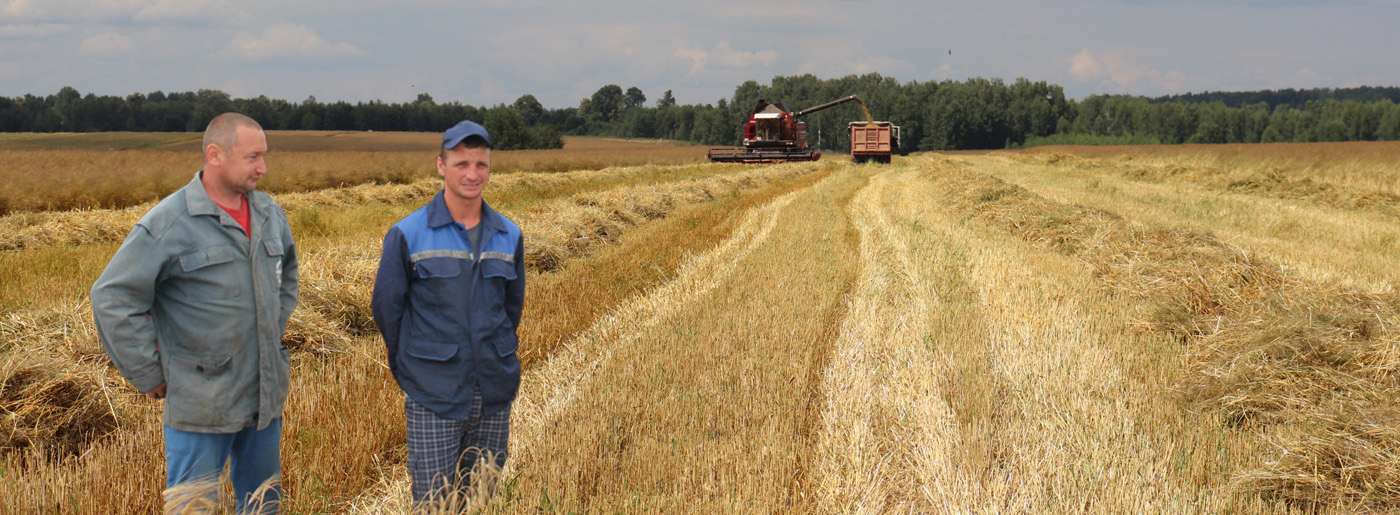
(774, 134)
(773, 125)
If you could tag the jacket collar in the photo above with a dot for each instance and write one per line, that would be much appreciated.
(439, 216)
(197, 200)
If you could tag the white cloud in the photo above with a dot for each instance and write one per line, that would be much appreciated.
(1174, 81)
(288, 41)
(944, 71)
(723, 55)
(1122, 70)
(107, 45)
(20, 10)
(1085, 67)
(695, 55)
(34, 31)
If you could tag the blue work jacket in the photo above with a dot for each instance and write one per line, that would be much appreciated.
(448, 312)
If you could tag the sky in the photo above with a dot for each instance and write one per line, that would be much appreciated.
(492, 52)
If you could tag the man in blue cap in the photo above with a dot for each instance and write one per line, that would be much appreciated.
(447, 299)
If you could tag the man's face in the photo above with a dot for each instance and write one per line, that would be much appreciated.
(243, 164)
(465, 171)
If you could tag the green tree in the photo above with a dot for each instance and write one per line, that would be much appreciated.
(530, 109)
(634, 98)
(1388, 128)
(507, 129)
(605, 103)
(1208, 132)
(666, 100)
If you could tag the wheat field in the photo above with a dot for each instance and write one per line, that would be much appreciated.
(1199, 329)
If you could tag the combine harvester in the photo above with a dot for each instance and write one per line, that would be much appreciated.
(774, 134)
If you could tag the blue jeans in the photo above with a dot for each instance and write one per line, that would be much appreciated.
(254, 457)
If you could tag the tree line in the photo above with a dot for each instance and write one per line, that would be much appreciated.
(70, 111)
(975, 113)
(1294, 98)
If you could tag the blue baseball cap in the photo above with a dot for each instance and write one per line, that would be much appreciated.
(462, 131)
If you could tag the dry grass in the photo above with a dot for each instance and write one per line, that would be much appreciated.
(561, 231)
(978, 374)
(214, 497)
(66, 172)
(49, 405)
(1335, 237)
(1274, 354)
(888, 440)
(52, 180)
(62, 253)
(718, 379)
(88, 226)
(812, 338)
(1359, 166)
(105, 141)
(1353, 175)
(557, 232)
(344, 426)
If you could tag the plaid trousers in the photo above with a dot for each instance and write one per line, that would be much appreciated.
(442, 452)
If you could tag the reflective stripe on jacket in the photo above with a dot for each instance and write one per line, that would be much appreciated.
(190, 300)
(448, 313)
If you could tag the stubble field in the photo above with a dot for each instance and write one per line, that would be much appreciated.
(1200, 329)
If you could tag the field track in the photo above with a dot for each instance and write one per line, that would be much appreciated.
(1005, 333)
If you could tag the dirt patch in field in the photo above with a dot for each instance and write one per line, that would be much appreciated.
(1267, 348)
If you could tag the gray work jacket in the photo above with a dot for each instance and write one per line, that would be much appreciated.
(191, 301)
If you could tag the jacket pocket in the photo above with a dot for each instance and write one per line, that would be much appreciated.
(430, 350)
(498, 268)
(438, 268)
(209, 273)
(205, 364)
(200, 389)
(506, 345)
(438, 288)
(496, 276)
(274, 258)
(205, 257)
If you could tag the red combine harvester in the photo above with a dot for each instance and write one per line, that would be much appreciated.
(774, 134)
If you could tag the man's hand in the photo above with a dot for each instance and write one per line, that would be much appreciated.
(157, 392)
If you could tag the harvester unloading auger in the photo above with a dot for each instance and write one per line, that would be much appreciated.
(774, 134)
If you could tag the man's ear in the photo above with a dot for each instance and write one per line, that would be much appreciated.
(213, 155)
